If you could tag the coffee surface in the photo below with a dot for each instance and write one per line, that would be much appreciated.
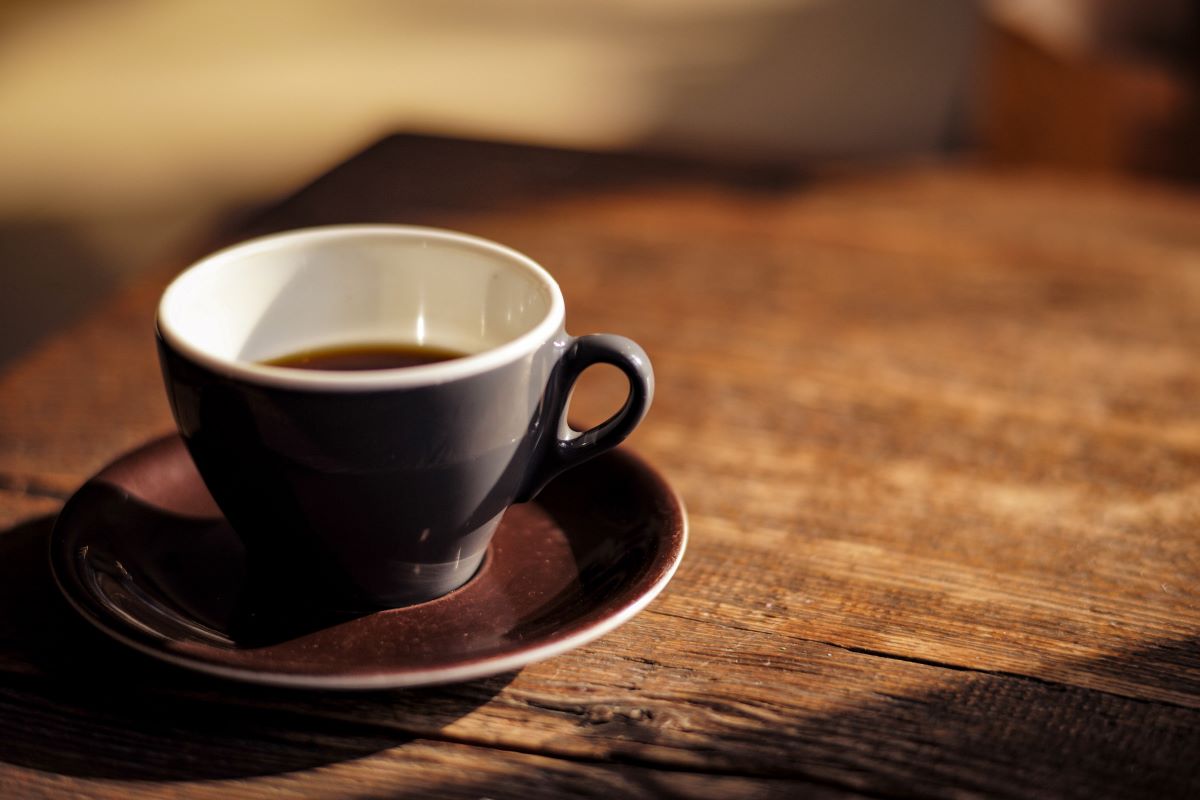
(357, 357)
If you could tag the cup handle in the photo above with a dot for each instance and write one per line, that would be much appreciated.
(563, 447)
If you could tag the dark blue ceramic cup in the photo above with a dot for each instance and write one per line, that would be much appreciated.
(378, 488)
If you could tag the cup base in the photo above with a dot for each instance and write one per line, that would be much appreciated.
(272, 608)
(421, 583)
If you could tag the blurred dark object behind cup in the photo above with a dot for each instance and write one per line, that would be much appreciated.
(1094, 85)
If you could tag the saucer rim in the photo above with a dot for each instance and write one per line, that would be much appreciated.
(473, 669)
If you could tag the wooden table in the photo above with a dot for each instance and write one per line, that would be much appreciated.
(938, 429)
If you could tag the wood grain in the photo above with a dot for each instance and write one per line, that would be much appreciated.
(935, 428)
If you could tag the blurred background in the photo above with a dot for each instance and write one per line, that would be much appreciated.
(129, 129)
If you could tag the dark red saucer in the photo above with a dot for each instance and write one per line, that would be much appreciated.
(143, 554)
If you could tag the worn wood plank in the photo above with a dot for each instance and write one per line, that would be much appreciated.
(415, 769)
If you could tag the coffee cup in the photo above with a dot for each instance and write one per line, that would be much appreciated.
(357, 489)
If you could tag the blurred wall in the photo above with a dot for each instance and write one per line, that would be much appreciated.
(128, 126)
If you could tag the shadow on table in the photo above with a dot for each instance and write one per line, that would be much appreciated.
(50, 278)
(995, 734)
(445, 178)
(73, 702)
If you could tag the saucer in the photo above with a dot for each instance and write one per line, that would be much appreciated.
(143, 554)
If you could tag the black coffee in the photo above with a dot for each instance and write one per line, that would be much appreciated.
(354, 357)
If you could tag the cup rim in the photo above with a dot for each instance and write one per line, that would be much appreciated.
(396, 378)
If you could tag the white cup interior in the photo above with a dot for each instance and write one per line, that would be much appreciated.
(330, 287)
